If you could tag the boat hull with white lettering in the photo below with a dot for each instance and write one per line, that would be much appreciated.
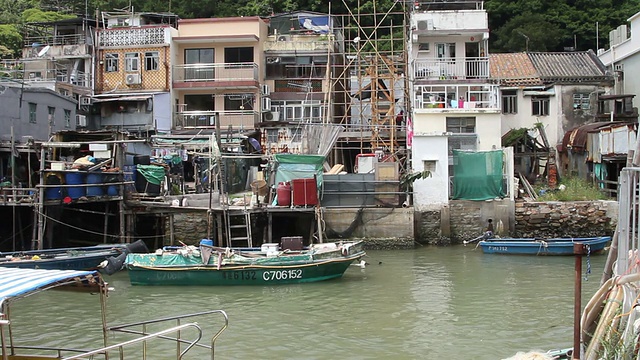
(224, 266)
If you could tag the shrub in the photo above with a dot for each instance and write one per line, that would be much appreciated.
(574, 189)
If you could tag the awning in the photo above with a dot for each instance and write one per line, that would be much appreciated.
(122, 98)
(16, 282)
(548, 92)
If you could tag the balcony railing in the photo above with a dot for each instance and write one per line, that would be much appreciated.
(463, 97)
(54, 40)
(237, 119)
(291, 42)
(216, 72)
(129, 36)
(34, 74)
(455, 68)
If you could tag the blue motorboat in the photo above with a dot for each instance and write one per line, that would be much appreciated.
(550, 246)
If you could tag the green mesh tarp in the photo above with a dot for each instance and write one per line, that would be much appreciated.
(153, 173)
(477, 175)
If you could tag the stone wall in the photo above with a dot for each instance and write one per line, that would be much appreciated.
(565, 219)
(188, 227)
(465, 220)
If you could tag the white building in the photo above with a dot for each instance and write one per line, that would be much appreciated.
(455, 104)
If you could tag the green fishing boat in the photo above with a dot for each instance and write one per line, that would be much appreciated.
(209, 265)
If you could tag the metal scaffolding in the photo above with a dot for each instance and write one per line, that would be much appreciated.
(370, 89)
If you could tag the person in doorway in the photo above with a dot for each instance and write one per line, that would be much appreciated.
(488, 234)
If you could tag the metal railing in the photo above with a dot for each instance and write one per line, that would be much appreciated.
(55, 40)
(454, 68)
(463, 97)
(162, 335)
(237, 119)
(215, 72)
(42, 74)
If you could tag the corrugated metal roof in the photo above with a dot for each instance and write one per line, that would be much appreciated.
(514, 69)
(568, 66)
(15, 281)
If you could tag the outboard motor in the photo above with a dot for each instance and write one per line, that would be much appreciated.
(113, 264)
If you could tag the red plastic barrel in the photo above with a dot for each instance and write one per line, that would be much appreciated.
(284, 194)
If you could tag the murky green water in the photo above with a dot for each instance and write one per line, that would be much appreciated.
(428, 303)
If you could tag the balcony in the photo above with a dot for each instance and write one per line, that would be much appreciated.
(224, 75)
(138, 36)
(291, 43)
(237, 119)
(454, 68)
(36, 74)
(60, 46)
(459, 98)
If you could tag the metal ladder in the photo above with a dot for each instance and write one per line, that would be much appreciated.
(238, 228)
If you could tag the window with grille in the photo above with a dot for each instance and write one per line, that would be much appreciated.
(67, 118)
(33, 107)
(540, 106)
(151, 60)
(132, 62)
(510, 102)
(111, 63)
(461, 125)
(52, 115)
(581, 101)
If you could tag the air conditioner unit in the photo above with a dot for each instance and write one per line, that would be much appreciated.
(425, 25)
(271, 116)
(266, 91)
(273, 60)
(266, 103)
(132, 79)
(283, 38)
(81, 120)
(85, 100)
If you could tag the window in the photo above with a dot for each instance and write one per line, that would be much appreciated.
(423, 47)
(111, 63)
(67, 118)
(238, 55)
(199, 56)
(151, 60)
(33, 107)
(52, 115)
(540, 106)
(202, 102)
(446, 51)
(581, 101)
(238, 102)
(510, 102)
(131, 62)
(461, 125)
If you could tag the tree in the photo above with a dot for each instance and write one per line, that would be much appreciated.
(11, 40)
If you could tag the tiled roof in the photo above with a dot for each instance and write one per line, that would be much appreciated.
(513, 69)
(568, 66)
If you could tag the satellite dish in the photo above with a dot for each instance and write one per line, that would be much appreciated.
(44, 50)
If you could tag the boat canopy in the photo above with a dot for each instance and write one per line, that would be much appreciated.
(16, 282)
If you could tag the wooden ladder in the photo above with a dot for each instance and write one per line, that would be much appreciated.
(239, 229)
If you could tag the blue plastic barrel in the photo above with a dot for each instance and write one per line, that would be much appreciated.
(53, 193)
(75, 178)
(94, 178)
(207, 242)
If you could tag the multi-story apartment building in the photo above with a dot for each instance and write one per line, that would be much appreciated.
(302, 48)
(455, 105)
(217, 73)
(133, 72)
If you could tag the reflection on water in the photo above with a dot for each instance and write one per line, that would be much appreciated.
(428, 303)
